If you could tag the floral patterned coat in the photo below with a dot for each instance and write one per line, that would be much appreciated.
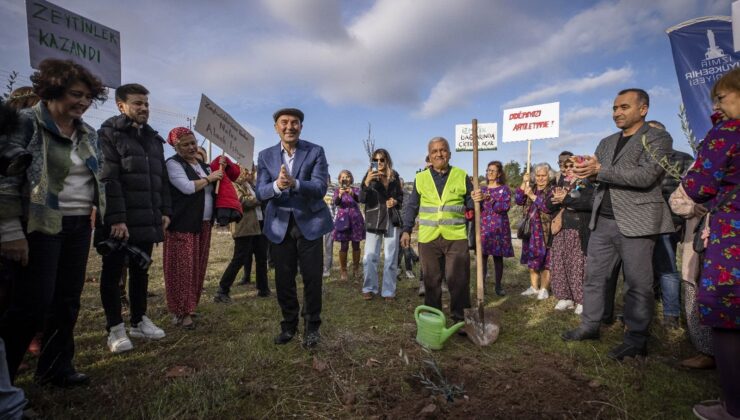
(712, 177)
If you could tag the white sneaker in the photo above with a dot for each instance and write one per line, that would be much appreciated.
(542, 295)
(422, 291)
(579, 309)
(118, 341)
(146, 329)
(409, 274)
(531, 291)
(326, 274)
(563, 305)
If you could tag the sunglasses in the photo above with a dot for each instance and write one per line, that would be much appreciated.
(379, 160)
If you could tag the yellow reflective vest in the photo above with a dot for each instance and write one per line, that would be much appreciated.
(441, 215)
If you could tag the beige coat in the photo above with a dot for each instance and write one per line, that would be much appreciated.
(683, 206)
(249, 225)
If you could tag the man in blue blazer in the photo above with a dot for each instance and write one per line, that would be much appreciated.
(292, 178)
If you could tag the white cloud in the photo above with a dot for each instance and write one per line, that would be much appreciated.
(576, 115)
(609, 77)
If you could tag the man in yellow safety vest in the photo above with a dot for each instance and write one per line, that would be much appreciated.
(440, 196)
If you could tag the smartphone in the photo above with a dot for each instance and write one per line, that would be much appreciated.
(374, 166)
(345, 183)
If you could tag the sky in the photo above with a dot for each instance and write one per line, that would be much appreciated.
(409, 69)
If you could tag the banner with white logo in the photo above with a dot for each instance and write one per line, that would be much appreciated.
(702, 52)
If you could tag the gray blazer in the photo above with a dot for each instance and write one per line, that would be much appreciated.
(634, 178)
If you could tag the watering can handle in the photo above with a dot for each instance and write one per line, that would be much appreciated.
(424, 308)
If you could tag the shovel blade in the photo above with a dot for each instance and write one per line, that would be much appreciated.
(481, 332)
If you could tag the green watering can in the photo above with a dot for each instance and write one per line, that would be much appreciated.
(430, 327)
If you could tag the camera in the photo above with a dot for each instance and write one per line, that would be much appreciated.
(13, 159)
(136, 255)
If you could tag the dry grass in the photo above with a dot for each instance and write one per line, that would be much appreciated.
(366, 364)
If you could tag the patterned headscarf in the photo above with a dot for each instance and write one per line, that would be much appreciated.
(176, 134)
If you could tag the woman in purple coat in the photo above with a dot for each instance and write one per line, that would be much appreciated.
(349, 225)
(535, 250)
(713, 181)
(495, 230)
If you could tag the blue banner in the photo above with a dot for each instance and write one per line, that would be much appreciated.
(702, 52)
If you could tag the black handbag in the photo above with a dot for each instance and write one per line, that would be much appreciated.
(525, 229)
(698, 243)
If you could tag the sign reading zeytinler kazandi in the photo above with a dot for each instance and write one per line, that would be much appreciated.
(702, 52)
(54, 32)
(531, 122)
(487, 137)
(218, 126)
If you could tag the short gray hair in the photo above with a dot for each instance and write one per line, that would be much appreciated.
(438, 139)
(540, 166)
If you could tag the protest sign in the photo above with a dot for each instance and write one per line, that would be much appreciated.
(218, 126)
(531, 122)
(702, 53)
(54, 32)
(487, 137)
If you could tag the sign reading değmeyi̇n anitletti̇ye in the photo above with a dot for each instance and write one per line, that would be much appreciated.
(55, 32)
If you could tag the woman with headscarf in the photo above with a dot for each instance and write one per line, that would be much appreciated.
(187, 240)
(536, 248)
(45, 219)
(382, 194)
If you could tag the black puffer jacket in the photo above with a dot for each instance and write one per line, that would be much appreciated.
(136, 182)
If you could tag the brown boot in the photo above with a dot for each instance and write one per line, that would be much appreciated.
(356, 272)
(343, 265)
(700, 361)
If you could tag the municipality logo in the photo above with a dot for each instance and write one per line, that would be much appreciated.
(713, 51)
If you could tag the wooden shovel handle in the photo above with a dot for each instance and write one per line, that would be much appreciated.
(478, 250)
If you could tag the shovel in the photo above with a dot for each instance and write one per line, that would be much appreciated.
(479, 323)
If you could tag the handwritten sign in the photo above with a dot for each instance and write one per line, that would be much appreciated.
(218, 126)
(487, 137)
(54, 32)
(531, 122)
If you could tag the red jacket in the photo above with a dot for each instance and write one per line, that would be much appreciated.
(226, 196)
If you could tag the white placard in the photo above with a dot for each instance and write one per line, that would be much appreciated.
(531, 122)
(487, 137)
(218, 126)
(54, 32)
(736, 25)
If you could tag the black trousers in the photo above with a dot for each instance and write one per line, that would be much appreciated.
(286, 255)
(259, 250)
(110, 290)
(45, 296)
(244, 248)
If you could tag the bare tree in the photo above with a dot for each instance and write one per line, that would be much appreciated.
(369, 142)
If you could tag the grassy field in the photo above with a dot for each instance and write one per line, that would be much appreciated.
(368, 364)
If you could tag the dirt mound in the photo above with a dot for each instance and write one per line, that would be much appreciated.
(546, 389)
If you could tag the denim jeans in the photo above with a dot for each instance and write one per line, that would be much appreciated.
(12, 399)
(390, 267)
(664, 267)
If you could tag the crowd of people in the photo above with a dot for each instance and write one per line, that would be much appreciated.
(582, 226)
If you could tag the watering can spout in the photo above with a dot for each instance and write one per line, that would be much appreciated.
(447, 332)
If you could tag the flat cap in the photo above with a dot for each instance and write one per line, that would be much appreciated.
(288, 111)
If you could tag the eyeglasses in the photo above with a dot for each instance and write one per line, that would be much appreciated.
(379, 160)
(491, 170)
(568, 167)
